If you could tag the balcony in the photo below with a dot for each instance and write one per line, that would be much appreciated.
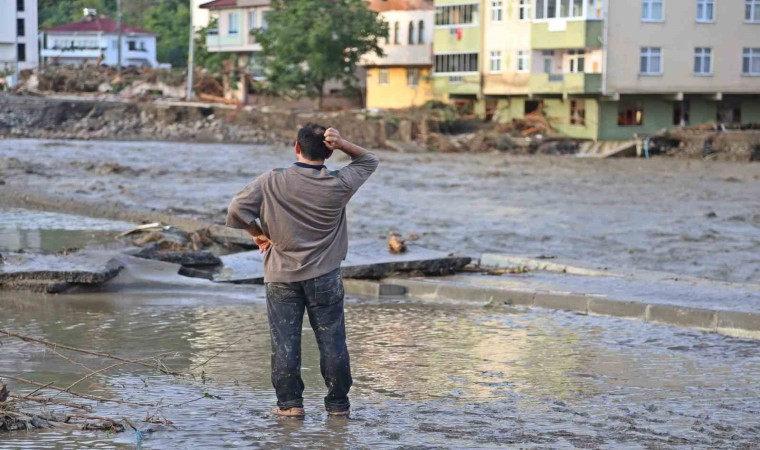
(561, 33)
(453, 84)
(566, 83)
(401, 55)
(71, 52)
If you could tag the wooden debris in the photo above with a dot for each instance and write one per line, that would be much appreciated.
(396, 244)
(3, 393)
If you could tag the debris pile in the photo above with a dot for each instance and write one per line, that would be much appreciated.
(170, 244)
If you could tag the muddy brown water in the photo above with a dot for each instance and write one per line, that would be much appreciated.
(681, 216)
(426, 376)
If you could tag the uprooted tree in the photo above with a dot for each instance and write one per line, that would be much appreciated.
(309, 42)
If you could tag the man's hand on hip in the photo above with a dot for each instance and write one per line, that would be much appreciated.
(263, 242)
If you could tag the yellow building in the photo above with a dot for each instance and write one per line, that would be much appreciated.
(402, 77)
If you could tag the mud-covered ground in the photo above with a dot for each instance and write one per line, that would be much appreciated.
(686, 217)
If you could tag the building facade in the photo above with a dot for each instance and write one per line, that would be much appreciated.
(18, 35)
(603, 69)
(457, 48)
(96, 38)
(402, 77)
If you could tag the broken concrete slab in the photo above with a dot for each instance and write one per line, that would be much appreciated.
(366, 259)
(56, 273)
(201, 258)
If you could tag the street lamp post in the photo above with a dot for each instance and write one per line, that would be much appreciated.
(190, 56)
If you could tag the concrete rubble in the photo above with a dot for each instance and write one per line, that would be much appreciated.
(368, 259)
(56, 273)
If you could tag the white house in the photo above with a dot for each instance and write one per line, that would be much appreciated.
(98, 36)
(18, 35)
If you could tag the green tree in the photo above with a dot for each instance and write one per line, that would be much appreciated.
(170, 19)
(308, 42)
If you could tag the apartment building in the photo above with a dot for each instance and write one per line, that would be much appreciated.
(457, 48)
(18, 35)
(690, 62)
(606, 69)
(402, 77)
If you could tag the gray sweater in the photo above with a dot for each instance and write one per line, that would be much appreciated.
(303, 212)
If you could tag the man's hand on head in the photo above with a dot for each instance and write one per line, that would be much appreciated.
(333, 139)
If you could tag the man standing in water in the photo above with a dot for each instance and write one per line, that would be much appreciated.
(303, 233)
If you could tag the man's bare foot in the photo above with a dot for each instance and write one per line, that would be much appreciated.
(345, 413)
(290, 412)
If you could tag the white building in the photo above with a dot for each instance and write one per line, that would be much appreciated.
(18, 35)
(98, 37)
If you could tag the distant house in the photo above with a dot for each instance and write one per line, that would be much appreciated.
(96, 37)
(402, 77)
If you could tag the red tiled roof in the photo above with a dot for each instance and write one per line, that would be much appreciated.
(99, 24)
(399, 5)
(219, 4)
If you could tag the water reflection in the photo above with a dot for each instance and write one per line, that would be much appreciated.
(425, 375)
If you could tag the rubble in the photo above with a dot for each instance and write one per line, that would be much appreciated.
(366, 259)
(56, 273)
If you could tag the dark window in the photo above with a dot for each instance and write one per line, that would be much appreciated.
(21, 52)
(456, 62)
(396, 34)
(421, 32)
(729, 114)
(132, 45)
(19, 5)
(410, 38)
(532, 106)
(681, 113)
(577, 112)
(21, 27)
(631, 115)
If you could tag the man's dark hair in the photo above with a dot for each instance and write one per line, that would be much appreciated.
(311, 137)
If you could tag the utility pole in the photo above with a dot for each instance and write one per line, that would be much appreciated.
(118, 17)
(190, 56)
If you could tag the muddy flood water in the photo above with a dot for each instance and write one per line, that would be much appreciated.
(687, 217)
(426, 376)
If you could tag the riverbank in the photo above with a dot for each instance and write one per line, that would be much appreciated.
(429, 129)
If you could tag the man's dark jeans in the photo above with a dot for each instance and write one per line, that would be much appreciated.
(322, 298)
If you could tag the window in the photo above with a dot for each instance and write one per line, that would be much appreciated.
(548, 56)
(132, 45)
(631, 115)
(252, 20)
(556, 9)
(651, 61)
(456, 62)
(578, 112)
(20, 5)
(21, 52)
(577, 61)
(396, 33)
(703, 61)
(455, 79)
(410, 38)
(234, 19)
(456, 14)
(523, 61)
(705, 10)
(752, 11)
(383, 78)
(421, 32)
(264, 15)
(412, 77)
(751, 61)
(495, 61)
(651, 10)
(496, 11)
(523, 11)
(20, 27)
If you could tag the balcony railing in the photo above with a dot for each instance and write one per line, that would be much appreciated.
(565, 83)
